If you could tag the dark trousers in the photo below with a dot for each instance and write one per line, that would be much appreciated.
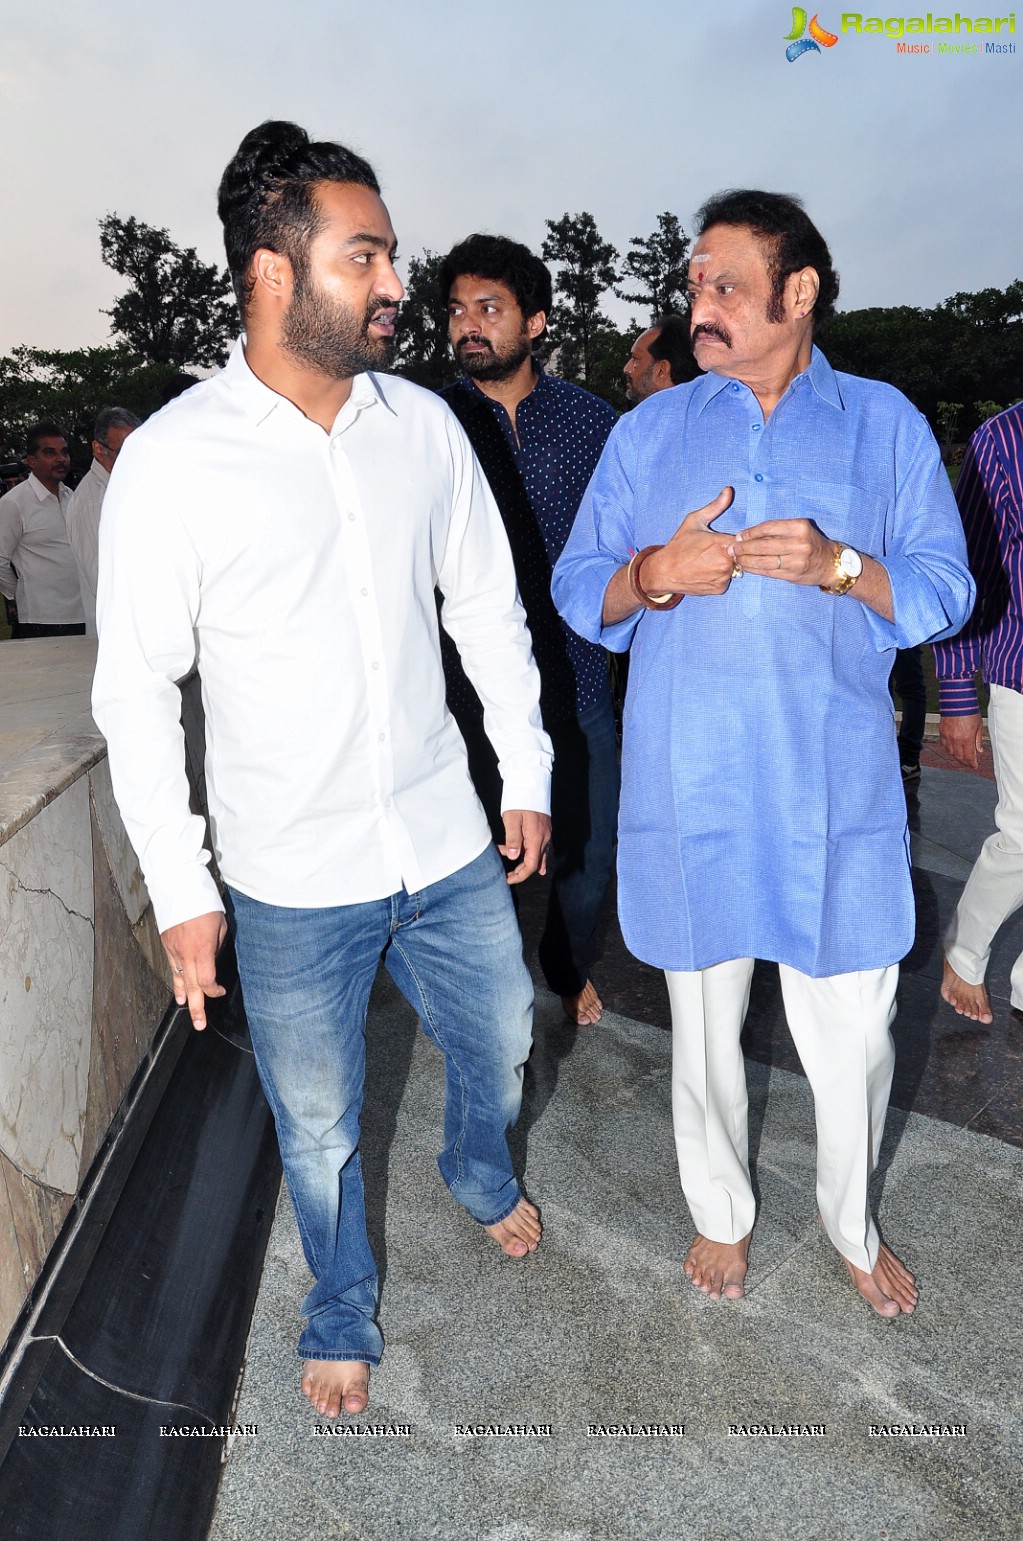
(908, 684)
(584, 818)
(22, 630)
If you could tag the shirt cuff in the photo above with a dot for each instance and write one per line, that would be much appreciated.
(194, 893)
(527, 792)
(958, 698)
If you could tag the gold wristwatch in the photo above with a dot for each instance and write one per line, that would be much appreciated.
(848, 566)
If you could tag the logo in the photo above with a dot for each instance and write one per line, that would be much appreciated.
(798, 44)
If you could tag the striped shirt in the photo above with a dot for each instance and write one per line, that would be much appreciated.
(990, 497)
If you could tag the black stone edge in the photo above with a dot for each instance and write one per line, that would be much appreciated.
(78, 1240)
(31, 1353)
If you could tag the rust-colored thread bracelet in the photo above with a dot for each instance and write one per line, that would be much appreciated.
(649, 601)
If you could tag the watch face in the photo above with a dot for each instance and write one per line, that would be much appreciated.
(850, 562)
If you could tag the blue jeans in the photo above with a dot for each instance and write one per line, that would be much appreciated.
(584, 818)
(455, 952)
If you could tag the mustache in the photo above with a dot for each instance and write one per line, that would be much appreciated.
(708, 329)
(476, 340)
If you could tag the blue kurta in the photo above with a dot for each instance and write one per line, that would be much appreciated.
(762, 810)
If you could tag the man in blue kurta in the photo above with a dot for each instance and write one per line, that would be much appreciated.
(763, 539)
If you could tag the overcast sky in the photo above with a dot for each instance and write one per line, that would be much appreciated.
(497, 117)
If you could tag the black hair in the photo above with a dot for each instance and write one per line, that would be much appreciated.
(505, 262)
(266, 195)
(794, 239)
(672, 343)
(41, 431)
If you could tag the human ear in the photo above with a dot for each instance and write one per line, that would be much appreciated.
(272, 275)
(805, 286)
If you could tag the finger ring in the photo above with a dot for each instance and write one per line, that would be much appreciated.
(779, 564)
(737, 571)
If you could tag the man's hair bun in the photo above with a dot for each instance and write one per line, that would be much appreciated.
(266, 193)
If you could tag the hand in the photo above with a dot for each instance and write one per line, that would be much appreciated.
(806, 555)
(192, 948)
(962, 738)
(696, 560)
(526, 834)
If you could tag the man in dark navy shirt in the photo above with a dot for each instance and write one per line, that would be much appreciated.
(538, 439)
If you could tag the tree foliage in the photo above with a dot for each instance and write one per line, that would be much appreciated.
(609, 348)
(176, 310)
(423, 354)
(967, 352)
(656, 267)
(585, 273)
(39, 385)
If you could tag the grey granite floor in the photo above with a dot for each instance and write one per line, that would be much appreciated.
(599, 1330)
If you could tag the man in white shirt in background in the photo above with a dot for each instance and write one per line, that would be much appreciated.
(299, 485)
(112, 427)
(37, 566)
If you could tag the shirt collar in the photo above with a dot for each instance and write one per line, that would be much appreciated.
(41, 492)
(824, 380)
(819, 373)
(100, 472)
(260, 402)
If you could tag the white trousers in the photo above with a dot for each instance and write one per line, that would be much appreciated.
(994, 889)
(841, 1029)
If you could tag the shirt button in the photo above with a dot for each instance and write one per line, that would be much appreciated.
(351, 518)
(757, 427)
(735, 387)
(758, 477)
(375, 665)
(381, 737)
(364, 593)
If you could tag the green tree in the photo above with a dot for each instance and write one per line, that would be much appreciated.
(948, 419)
(609, 348)
(423, 354)
(37, 384)
(586, 273)
(656, 268)
(968, 349)
(176, 309)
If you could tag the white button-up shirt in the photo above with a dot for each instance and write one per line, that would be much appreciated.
(83, 532)
(34, 542)
(298, 569)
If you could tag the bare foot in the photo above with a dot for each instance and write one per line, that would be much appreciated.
(969, 1000)
(584, 1009)
(331, 1384)
(890, 1288)
(519, 1232)
(717, 1267)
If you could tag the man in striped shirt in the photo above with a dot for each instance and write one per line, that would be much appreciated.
(990, 497)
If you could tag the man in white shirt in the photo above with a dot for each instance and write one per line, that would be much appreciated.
(298, 483)
(113, 425)
(37, 565)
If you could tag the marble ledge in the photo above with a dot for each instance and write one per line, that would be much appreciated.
(39, 776)
(47, 736)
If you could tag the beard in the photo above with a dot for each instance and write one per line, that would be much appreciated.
(326, 335)
(492, 365)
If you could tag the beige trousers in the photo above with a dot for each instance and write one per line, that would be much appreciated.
(994, 889)
(841, 1029)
